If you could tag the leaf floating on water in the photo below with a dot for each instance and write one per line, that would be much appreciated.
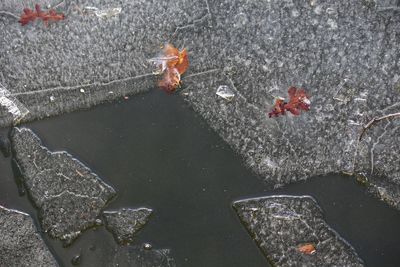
(172, 63)
(225, 92)
(308, 249)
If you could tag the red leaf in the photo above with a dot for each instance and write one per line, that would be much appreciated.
(298, 100)
(30, 15)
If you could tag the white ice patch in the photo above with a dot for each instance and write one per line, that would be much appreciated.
(225, 92)
(12, 105)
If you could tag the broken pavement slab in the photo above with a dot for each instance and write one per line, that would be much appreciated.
(69, 195)
(125, 223)
(20, 243)
(282, 224)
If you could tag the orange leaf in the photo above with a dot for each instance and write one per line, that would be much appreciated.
(308, 249)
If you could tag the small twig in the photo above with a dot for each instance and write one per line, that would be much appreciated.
(389, 8)
(377, 119)
(57, 5)
(8, 14)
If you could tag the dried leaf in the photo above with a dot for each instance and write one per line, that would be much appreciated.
(172, 63)
(298, 100)
(308, 249)
(30, 15)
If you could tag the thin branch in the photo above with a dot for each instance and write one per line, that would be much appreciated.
(377, 119)
(389, 8)
(2, 12)
(57, 5)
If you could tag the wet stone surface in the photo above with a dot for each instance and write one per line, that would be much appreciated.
(20, 243)
(69, 195)
(139, 256)
(125, 223)
(282, 224)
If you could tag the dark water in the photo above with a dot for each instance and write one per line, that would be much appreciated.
(156, 152)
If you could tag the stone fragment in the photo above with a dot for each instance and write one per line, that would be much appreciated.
(69, 195)
(20, 243)
(125, 223)
(288, 229)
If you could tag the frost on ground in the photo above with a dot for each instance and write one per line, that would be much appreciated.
(69, 195)
(285, 226)
(125, 223)
(20, 243)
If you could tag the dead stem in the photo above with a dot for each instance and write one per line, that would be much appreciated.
(8, 14)
(377, 119)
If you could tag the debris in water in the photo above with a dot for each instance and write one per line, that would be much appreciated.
(225, 92)
(308, 249)
(172, 64)
(147, 246)
(30, 15)
(76, 259)
(298, 100)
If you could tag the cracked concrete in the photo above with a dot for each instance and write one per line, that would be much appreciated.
(69, 195)
(21, 244)
(282, 224)
(125, 223)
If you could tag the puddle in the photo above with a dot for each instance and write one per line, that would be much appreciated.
(156, 152)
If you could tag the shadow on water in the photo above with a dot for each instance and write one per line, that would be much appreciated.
(156, 152)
